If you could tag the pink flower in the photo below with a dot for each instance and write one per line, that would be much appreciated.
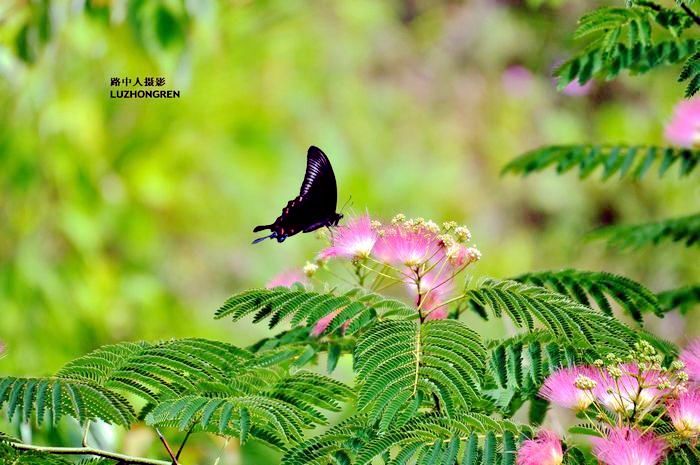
(691, 357)
(625, 446)
(684, 128)
(460, 255)
(287, 279)
(354, 240)
(409, 246)
(561, 388)
(545, 449)
(323, 323)
(633, 388)
(517, 80)
(685, 413)
(574, 89)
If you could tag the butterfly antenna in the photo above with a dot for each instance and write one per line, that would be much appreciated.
(346, 203)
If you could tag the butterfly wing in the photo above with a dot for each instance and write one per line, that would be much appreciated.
(315, 205)
(319, 185)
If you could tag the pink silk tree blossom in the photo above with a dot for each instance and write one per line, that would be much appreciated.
(626, 446)
(356, 239)
(684, 128)
(691, 358)
(634, 388)
(323, 323)
(685, 413)
(409, 246)
(287, 279)
(561, 389)
(545, 449)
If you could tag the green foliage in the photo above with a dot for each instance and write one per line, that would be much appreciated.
(520, 364)
(468, 438)
(634, 161)
(683, 298)
(585, 287)
(685, 229)
(397, 362)
(186, 383)
(51, 399)
(157, 26)
(300, 306)
(11, 456)
(532, 307)
(684, 455)
(623, 39)
(691, 73)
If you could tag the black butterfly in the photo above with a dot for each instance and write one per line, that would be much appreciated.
(315, 205)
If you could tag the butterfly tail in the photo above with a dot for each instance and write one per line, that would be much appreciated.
(262, 227)
(260, 239)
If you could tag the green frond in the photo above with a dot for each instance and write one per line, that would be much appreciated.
(520, 364)
(621, 39)
(599, 287)
(208, 385)
(533, 307)
(300, 306)
(312, 389)
(52, 398)
(683, 298)
(574, 456)
(338, 445)
(684, 229)
(635, 160)
(608, 61)
(229, 416)
(12, 456)
(395, 360)
(161, 370)
(468, 438)
(691, 73)
(683, 455)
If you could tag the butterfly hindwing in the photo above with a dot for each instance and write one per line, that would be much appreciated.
(315, 205)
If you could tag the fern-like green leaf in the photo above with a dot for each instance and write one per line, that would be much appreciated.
(634, 161)
(395, 360)
(304, 307)
(684, 229)
(52, 398)
(587, 287)
(683, 455)
(226, 415)
(691, 73)
(11, 456)
(520, 364)
(609, 61)
(534, 307)
(683, 298)
(193, 384)
(468, 438)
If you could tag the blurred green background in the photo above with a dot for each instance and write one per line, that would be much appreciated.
(130, 219)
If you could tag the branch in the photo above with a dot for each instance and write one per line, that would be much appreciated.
(689, 11)
(167, 447)
(121, 458)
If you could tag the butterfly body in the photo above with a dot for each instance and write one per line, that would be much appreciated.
(315, 205)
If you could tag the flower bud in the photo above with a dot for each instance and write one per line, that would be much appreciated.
(310, 269)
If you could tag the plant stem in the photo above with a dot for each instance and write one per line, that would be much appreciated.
(121, 458)
(184, 441)
(85, 434)
(167, 447)
(689, 11)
